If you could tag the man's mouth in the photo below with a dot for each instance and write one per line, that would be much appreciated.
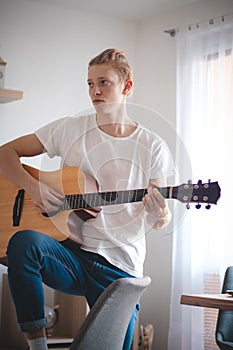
(96, 101)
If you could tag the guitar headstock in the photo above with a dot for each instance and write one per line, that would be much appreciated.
(207, 193)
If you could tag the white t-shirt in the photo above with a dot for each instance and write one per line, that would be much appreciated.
(118, 232)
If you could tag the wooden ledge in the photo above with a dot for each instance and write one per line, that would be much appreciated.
(7, 95)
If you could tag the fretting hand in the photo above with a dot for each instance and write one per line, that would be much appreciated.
(156, 206)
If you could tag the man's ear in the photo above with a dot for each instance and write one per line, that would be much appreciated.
(128, 87)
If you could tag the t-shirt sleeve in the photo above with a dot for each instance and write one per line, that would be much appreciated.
(50, 136)
(162, 165)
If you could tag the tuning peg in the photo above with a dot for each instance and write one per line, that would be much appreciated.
(208, 206)
(199, 182)
(187, 206)
(198, 206)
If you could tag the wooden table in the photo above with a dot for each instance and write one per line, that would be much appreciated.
(216, 301)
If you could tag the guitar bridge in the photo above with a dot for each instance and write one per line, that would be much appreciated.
(17, 209)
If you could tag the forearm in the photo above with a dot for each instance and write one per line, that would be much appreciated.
(45, 198)
(11, 167)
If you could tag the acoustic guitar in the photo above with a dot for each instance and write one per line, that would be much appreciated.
(82, 201)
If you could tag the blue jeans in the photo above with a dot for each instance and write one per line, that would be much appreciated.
(34, 258)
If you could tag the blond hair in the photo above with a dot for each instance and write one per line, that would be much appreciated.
(118, 61)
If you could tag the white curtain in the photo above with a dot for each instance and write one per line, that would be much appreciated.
(203, 240)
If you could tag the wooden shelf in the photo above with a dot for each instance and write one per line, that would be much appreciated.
(7, 95)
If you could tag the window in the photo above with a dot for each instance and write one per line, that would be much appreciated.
(202, 247)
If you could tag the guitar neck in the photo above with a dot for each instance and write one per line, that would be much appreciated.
(91, 200)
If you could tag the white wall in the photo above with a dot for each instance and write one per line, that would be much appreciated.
(47, 49)
(156, 89)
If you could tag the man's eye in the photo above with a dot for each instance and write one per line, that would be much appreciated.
(104, 81)
(90, 84)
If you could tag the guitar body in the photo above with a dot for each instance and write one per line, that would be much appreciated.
(60, 226)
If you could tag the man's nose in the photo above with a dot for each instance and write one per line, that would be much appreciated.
(97, 91)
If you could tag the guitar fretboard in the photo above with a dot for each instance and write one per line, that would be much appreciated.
(91, 200)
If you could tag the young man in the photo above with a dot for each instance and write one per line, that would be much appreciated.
(119, 154)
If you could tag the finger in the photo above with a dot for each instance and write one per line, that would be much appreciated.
(56, 194)
(56, 201)
(154, 196)
(153, 184)
(154, 205)
(149, 204)
(155, 202)
(52, 198)
(40, 208)
(157, 198)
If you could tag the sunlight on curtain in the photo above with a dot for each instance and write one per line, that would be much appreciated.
(203, 242)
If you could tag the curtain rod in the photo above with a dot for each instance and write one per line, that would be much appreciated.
(172, 32)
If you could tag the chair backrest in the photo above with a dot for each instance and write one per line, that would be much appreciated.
(106, 324)
(224, 327)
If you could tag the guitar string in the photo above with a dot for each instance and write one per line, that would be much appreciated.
(111, 197)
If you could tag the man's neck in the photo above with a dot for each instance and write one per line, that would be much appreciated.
(121, 126)
(118, 129)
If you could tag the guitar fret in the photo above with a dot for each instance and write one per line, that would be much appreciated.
(71, 201)
(82, 202)
(86, 200)
(99, 200)
(170, 192)
(93, 200)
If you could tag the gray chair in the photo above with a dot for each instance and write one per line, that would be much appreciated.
(106, 324)
(224, 327)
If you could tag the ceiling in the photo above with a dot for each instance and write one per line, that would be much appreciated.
(125, 9)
